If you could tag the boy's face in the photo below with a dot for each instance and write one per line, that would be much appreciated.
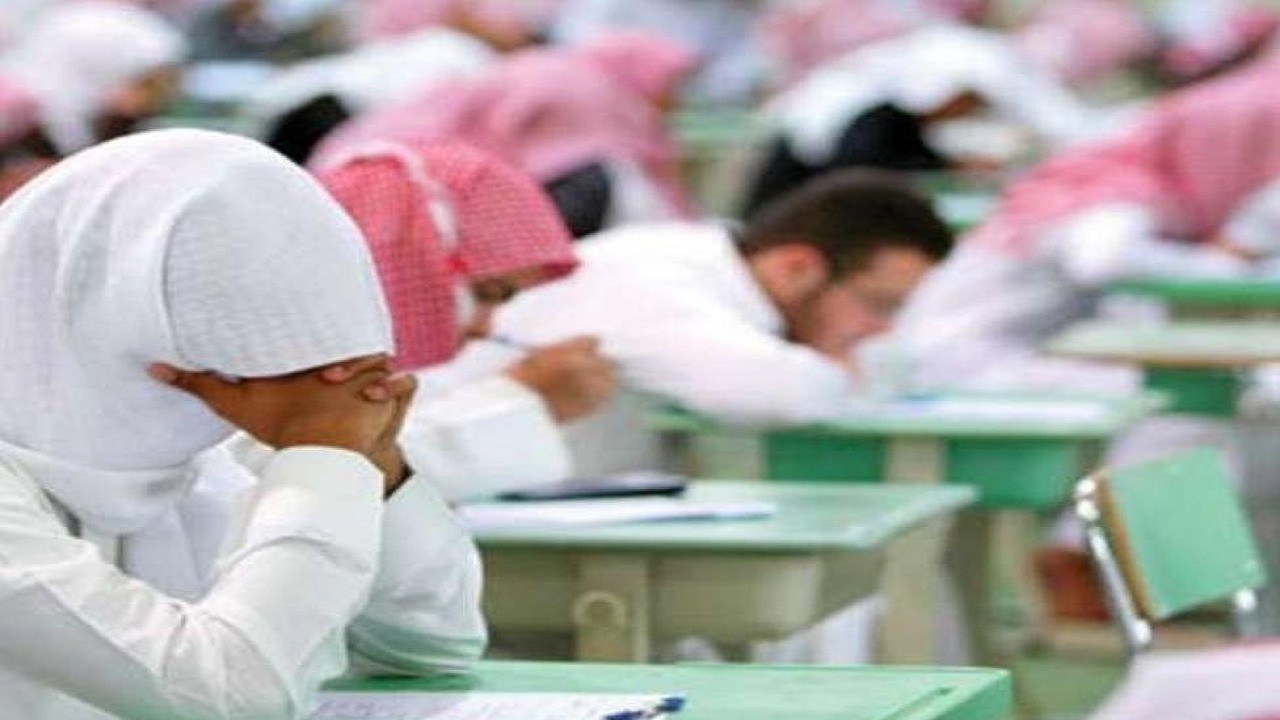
(840, 314)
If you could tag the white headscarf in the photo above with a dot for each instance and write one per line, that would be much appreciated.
(201, 250)
(918, 72)
(78, 53)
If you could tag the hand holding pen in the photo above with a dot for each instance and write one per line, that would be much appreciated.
(572, 377)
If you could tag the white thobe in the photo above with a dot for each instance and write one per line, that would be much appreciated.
(979, 320)
(677, 308)
(477, 437)
(319, 570)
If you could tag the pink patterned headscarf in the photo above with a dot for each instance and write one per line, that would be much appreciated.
(1195, 159)
(551, 111)
(1082, 41)
(437, 215)
(804, 35)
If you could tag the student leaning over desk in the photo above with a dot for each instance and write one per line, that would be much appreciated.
(455, 234)
(160, 292)
(756, 325)
(1192, 191)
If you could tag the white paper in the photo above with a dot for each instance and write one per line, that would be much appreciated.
(612, 511)
(980, 410)
(478, 706)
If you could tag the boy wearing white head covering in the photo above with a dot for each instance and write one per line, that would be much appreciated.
(144, 573)
(89, 61)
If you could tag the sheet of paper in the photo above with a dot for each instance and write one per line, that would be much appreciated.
(478, 706)
(980, 410)
(612, 511)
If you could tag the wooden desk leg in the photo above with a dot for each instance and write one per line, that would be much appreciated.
(611, 612)
(913, 566)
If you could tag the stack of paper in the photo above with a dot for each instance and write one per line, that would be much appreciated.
(488, 706)
(570, 513)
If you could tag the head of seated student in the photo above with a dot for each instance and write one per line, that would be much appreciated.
(129, 304)
(96, 70)
(841, 255)
(455, 234)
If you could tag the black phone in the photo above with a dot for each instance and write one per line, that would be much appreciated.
(631, 484)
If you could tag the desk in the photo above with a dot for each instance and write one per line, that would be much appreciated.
(622, 588)
(1192, 299)
(739, 692)
(1198, 364)
(1019, 466)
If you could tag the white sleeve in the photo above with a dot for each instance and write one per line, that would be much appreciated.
(722, 367)
(678, 343)
(483, 438)
(1255, 226)
(1119, 241)
(258, 645)
(424, 613)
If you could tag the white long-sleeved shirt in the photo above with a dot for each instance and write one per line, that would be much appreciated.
(980, 320)
(677, 308)
(319, 570)
(474, 437)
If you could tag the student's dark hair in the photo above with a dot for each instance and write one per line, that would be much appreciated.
(849, 216)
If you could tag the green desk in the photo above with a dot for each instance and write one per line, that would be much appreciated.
(716, 692)
(1198, 364)
(1013, 464)
(622, 588)
(1192, 299)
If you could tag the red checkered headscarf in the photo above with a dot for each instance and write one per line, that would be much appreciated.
(1195, 158)
(437, 215)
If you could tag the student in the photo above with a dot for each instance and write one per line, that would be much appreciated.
(93, 69)
(299, 106)
(1189, 193)
(160, 292)
(750, 326)
(586, 123)
(884, 104)
(455, 234)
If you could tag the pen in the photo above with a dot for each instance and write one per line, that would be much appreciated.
(508, 342)
(666, 706)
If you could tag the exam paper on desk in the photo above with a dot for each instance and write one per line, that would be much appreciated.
(579, 513)
(479, 706)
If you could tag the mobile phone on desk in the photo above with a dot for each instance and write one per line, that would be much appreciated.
(633, 484)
